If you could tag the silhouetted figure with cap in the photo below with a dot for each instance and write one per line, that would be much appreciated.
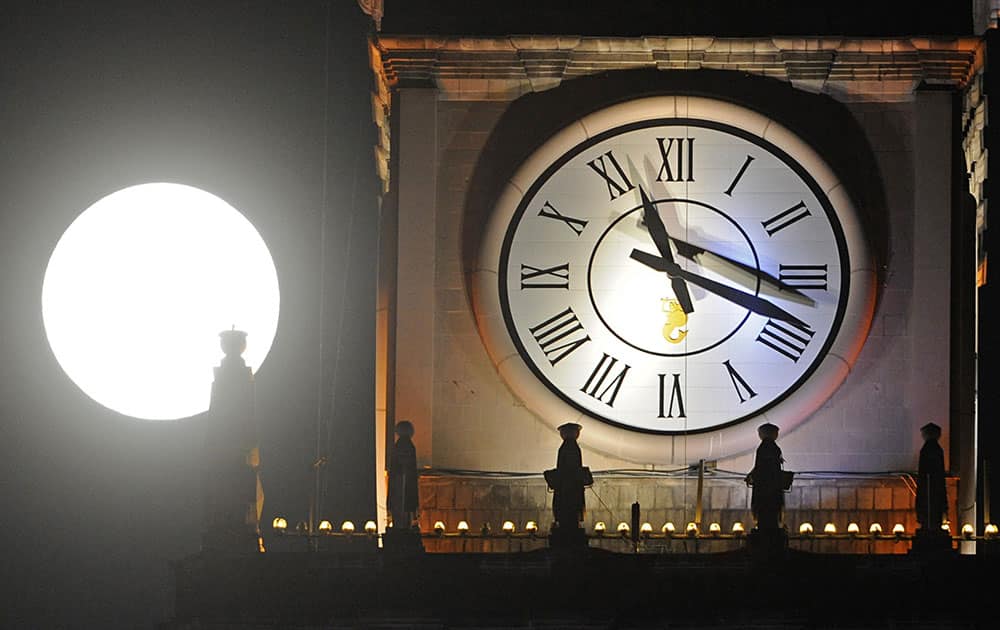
(767, 480)
(567, 482)
(932, 498)
(403, 536)
(404, 495)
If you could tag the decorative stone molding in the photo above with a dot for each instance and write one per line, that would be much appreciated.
(974, 108)
(508, 67)
(381, 108)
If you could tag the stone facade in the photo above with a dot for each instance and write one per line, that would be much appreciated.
(868, 427)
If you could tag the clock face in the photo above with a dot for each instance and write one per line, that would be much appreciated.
(678, 270)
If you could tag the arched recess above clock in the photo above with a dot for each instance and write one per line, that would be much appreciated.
(825, 124)
(750, 357)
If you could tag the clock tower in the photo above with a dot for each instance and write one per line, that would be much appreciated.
(670, 240)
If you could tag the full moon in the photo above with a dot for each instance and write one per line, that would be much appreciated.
(138, 289)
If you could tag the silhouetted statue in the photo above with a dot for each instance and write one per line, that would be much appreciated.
(767, 480)
(932, 498)
(404, 494)
(567, 482)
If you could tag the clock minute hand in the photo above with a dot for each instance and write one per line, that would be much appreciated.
(662, 241)
(692, 252)
(746, 300)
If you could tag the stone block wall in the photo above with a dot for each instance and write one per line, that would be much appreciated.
(815, 499)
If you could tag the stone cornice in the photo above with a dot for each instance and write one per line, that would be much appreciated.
(847, 68)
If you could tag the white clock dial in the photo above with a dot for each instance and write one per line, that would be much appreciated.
(676, 274)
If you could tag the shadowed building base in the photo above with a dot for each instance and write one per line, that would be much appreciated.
(402, 541)
(592, 589)
(568, 538)
(929, 541)
(767, 545)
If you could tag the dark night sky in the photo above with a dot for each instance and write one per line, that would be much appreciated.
(227, 96)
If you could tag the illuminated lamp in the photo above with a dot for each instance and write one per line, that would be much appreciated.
(347, 527)
(829, 528)
(875, 529)
(968, 531)
(531, 527)
(990, 531)
(668, 528)
(738, 529)
(463, 527)
(714, 529)
(162, 264)
(623, 529)
(371, 528)
(600, 528)
(898, 530)
(508, 527)
(279, 524)
(806, 529)
(691, 530)
(853, 529)
(645, 530)
(946, 527)
(325, 527)
(439, 528)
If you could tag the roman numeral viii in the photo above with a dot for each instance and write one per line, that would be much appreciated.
(674, 151)
(545, 278)
(598, 377)
(560, 335)
(787, 339)
(617, 182)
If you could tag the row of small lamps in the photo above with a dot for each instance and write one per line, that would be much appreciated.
(668, 530)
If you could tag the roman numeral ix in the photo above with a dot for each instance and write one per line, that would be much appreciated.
(545, 278)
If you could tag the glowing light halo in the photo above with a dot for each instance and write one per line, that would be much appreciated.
(138, 288)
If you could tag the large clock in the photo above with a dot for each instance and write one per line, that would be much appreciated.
(667, 269)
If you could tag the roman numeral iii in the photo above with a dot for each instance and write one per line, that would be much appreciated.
(803, 276)
(674, 167)
(617, 182)
(560, 335)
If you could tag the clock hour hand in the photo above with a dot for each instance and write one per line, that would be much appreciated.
(746, 300)
(662, 241)
(737, 271)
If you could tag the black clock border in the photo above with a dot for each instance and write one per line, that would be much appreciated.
(559, 162)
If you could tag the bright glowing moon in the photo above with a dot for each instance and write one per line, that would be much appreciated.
(138, 289)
